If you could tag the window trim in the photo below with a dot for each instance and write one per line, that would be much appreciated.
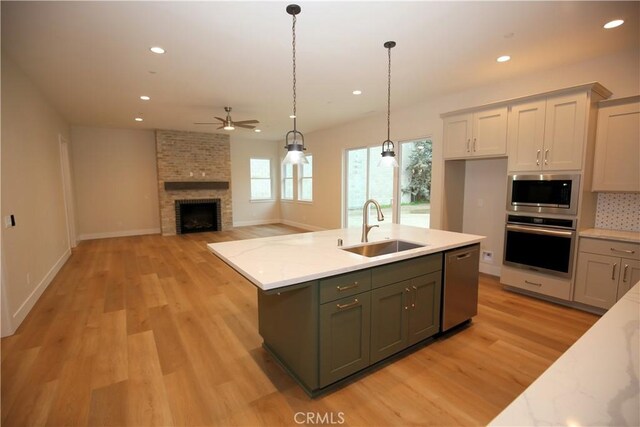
(283, 180)
(270, 179)
(301, 179)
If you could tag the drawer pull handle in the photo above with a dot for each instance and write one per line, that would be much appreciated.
(546, 156)
(468, 141)
(538, 158)
(623, 251)
(475, 144)
(533, 283)
(413, 304)
(613, 271)
(351, 304)
(624, 275)
(345, 288)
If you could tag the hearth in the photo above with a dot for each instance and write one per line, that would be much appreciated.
(198, 215)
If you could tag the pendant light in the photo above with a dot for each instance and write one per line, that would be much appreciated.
(294, 140)
(388, 155)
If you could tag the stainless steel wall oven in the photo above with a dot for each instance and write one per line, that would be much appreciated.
(540, 244)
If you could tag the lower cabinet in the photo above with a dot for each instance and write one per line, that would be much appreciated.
(606, 271)
(323, 331)
(404, 313)
(344, 337)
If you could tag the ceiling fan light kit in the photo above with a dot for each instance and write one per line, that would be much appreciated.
(388, 154)
(294, 139)
(228, 124)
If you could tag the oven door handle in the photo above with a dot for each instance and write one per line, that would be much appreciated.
(539, 230)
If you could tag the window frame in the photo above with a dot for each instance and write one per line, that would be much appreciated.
(284, 180)
(302, 178)
(252, 178)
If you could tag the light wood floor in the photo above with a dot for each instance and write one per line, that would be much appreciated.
(152, 330)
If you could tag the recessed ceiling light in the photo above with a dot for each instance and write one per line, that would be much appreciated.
(257, 130)
(503, 58)
(292, 116)
(145, 98)
(357, 92)
(613, 24)
(138, 119)
(157, 49)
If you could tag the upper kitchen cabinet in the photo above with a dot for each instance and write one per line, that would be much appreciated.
(482, 133)
(548, 134)
(615, 164)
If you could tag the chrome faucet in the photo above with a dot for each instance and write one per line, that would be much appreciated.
(365, 218)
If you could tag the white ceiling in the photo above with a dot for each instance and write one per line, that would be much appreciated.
(91, 59)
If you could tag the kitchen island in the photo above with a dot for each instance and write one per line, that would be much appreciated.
(326, 313)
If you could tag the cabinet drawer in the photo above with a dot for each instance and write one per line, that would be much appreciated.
(610, 247)
(535, 282)
(403, 270)
(344, 285)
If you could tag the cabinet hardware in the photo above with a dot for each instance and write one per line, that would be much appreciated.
(537, 230)
(533, 283)
(613, 271)
(624, 274)
(463, 256)
(351, 304)
(468, 142)
(475, 144)
(406, 307)
(546, 156)
(413, 303)
(623, 251)
(344, 288)
(538, 158)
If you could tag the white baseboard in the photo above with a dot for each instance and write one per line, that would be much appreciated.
(301, 225)
(28, 304)
(123, 233)
(494, 270)
(255, 222)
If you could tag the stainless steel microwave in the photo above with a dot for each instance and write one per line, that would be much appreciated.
(544, 193)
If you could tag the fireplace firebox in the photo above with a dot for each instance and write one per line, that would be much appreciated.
(199, 215)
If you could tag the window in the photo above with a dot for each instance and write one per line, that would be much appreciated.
(305, 180)
(415, 182)
(260, 170)
(287, 182)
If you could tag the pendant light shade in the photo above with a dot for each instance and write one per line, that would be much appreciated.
(294, 140)
(388, 154)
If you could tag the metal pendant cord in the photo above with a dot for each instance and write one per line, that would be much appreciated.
(388, 97)
(293, 29)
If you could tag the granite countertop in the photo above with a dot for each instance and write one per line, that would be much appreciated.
(279, 261)
(595, 382)
(603, 233)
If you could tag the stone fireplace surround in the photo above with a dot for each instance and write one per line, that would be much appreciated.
(192, 157)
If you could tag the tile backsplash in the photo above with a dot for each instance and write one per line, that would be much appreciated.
(618, 211)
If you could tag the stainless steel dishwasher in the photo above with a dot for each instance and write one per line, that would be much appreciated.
(460, 289)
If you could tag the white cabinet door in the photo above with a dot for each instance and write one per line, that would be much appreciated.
(629, 275)
(615, 164)
(526, 136)
(597, 280)
(565, 131)
(457, 136)
(490, 132)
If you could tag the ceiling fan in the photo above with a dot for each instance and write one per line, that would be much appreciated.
(228, 124)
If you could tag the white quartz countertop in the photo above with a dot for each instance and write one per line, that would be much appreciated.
(594, 383)
(603, 233)
(279, 261)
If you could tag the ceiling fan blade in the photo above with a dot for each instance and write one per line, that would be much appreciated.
(221, 127)
(222, 120)
(245, 122)
(205, 123)
(236, 124)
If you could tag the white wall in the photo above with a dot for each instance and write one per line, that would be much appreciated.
(36, 248)
(115, 181)
(618, 72)
(485, 190)
(246, 212)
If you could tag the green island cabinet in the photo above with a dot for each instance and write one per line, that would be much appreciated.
(325, 330)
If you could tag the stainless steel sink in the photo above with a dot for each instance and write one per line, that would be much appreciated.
(382, 248)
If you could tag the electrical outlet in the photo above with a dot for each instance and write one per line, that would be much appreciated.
(487, 256)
